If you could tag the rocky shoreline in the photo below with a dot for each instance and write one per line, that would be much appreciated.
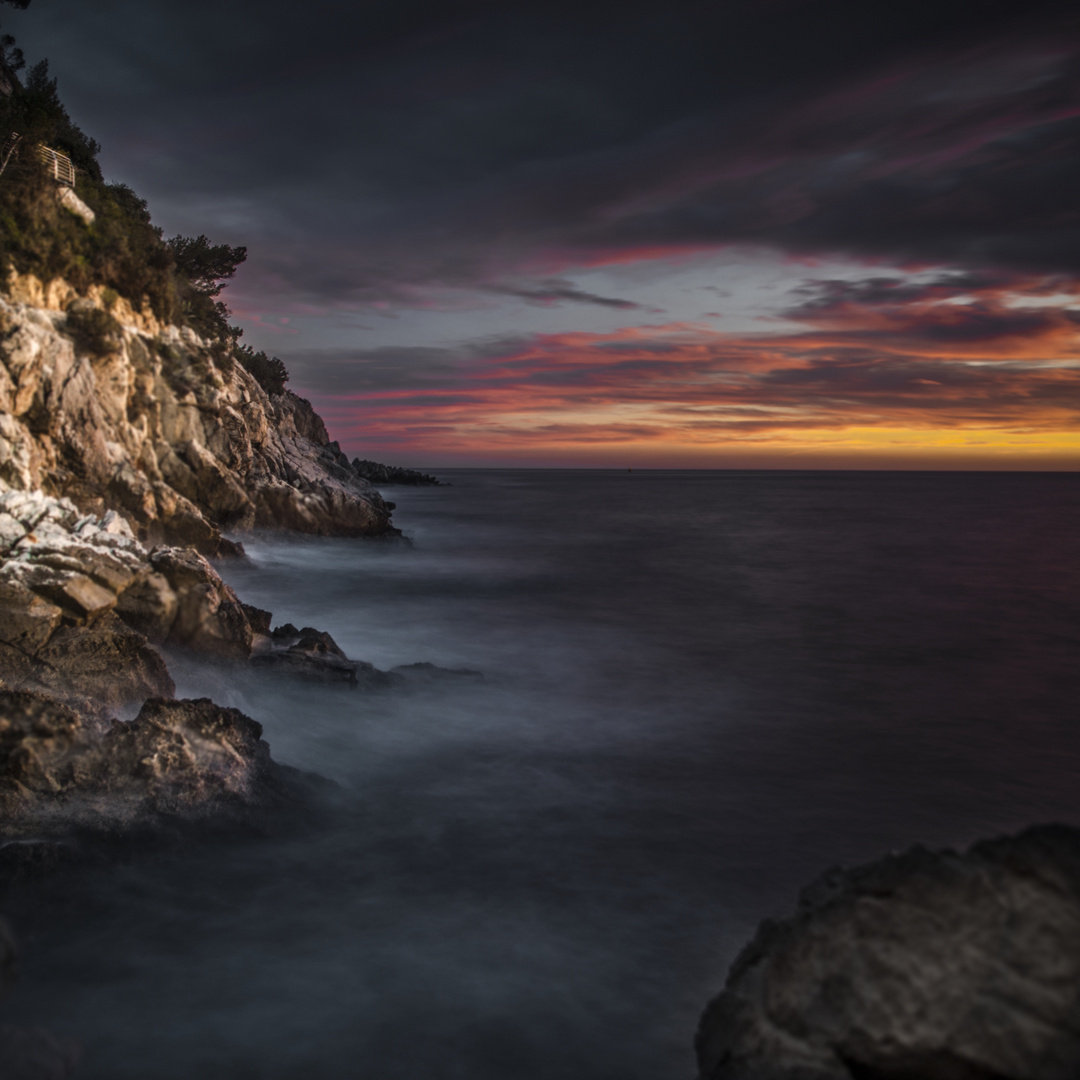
(123, 459)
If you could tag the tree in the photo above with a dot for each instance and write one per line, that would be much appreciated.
(11, 57)
(270, 373)
(206, 266)
(39, 115)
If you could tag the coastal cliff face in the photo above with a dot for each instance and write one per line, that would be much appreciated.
(104, 405)
(126, 447)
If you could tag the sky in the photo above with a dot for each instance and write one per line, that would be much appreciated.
(724, 234)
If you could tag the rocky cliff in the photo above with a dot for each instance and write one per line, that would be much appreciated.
(127, 446)
(102, 404)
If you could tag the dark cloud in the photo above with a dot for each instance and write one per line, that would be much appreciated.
(948, 312)
(557, 291)
(366, 150)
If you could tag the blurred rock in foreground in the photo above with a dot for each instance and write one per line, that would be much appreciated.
(928, 965)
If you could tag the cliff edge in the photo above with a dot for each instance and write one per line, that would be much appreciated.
(106, 406)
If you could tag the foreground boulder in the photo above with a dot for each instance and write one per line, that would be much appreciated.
(937, 966)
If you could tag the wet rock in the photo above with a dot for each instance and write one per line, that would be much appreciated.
(190, 758)
(186, 761)
(931, 965)
(38, 736)
(310, 654)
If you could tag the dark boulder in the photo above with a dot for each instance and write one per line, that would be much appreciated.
(929, 965)
(424, 674)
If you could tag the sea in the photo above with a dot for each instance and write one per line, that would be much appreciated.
(697, 691)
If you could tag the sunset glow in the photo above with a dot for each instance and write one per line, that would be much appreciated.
(934, 371)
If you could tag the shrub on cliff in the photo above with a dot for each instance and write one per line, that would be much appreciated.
(93, 330)
(270, 373)
(121, 250)
(177, 279)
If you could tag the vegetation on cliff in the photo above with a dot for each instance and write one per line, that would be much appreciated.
(178, 279)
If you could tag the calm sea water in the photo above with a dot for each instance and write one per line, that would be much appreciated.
(700, 690)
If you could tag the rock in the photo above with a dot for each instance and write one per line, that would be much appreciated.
(59, 586)
(188, 758)
(162, 427)
(84, 596)
(83, 605)
(424, 674)
(937, 966)
(310, 654)
(38, 735)
(149, 605)
(178, 761)
(27, 621)
(109, 663)
(209, 618)
(392, 474)
(258, 619)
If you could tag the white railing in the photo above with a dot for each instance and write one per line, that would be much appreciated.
(59, 165)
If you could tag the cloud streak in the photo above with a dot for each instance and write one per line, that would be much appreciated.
(874, 355)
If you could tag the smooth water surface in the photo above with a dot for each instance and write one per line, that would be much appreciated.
(700, 690)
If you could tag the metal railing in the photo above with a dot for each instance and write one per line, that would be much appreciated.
(59, 165)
